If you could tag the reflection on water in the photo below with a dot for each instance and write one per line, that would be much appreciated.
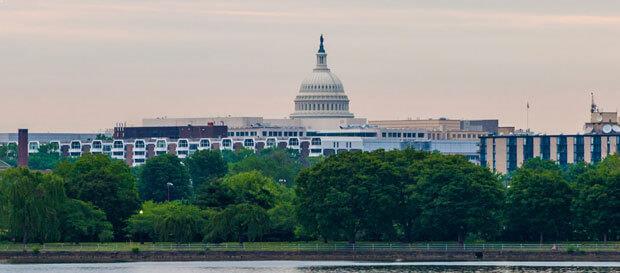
(319, 267)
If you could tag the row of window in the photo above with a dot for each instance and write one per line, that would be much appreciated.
(321, 106)
(595, 149)
(402, 135)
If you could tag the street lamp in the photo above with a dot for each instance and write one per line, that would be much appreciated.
(168, 185)
(282, 181)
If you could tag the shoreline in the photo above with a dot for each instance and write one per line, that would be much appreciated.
(377, 256)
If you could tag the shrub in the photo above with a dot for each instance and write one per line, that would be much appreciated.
(135, 250)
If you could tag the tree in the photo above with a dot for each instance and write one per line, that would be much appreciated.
(253, 188)
(213, 194)
(106, 183)
(46, 158)
(596, 205)
(538, 202)
(348, 196)
(8, 153)
(279, 164)
(32, 201)
(206, 165)
(240, 222)
(169, 221)
(163, 178)
(456, 198)
(83, 222)
(234, 156)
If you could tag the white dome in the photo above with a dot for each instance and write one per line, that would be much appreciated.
(321, 94)
(321, 80)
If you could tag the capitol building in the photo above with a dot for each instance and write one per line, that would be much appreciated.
(321, 94)
(320, 124)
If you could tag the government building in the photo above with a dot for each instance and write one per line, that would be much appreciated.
(321, 124)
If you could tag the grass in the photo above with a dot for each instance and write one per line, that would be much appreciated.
(312, 246)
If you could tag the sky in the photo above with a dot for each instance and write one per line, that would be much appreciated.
(82, 66)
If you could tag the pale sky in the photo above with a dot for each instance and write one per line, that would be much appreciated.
(83, 65)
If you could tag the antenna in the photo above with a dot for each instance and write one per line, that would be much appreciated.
(593, 107)
(527, 116)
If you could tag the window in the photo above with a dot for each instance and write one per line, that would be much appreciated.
(139, 160)
(205, 143)
(118, 144)
(316, 141)
(271, 142)
(96, 144)
(160, 144)
(33, 146)
(183, 143)
(226, 142)
(182, 152)
(76, 145)
(315, 151)
(193, 147)
(138, 153)
(107, 148)
(118, 153)
(248, 142)
(293, 142)
(140, 144)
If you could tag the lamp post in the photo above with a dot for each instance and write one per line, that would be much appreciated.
(168, 185)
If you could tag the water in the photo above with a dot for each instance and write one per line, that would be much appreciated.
(319, 267)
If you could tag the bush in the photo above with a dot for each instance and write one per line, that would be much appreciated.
(572, 249)
(135, 250)
(36, 250)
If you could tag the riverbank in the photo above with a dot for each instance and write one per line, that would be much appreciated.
(378, 256)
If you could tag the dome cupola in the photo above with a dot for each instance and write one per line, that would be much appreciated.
(321, 94)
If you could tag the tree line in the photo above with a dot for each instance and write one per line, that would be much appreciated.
(275, 195)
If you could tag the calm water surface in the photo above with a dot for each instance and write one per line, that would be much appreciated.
(321, 267)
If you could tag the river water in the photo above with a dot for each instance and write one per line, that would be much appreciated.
(319, 267)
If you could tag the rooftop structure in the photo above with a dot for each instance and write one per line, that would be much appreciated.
(321, 94)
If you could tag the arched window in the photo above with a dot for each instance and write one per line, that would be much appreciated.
(183, 143)
(139, 144)
(76, 145)
(118, 144)
(97, 144)
(248, 142)
(205, 143)
(316, 141)
(271, 142)
(226, 142)
(293, 142)
(160, 144)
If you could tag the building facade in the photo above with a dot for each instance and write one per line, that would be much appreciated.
(505, 154)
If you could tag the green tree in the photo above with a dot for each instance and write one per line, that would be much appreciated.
(348, 196)
(213, 194)
(279, 164)
(46, 158)
(106, 183)
(8, 153)
(32, 201)
(240, 222)
(538, 202)
(234, 156)
(206, 165)
(164, 177)
(456, 198)
(254, 188)
(596, 205)
(169, 221)
(83, 222)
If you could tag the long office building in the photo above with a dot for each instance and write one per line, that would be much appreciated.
(505, 153)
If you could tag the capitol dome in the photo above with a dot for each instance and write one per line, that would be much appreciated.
(321, 94)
